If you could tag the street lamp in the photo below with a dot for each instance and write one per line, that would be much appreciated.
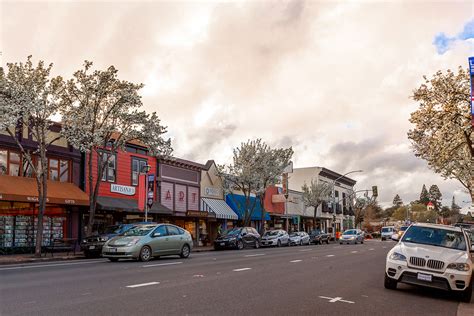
(334, 199)
(144, 170)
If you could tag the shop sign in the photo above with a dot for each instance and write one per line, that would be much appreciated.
(34, 199)
(70, 201)
(122, 189)
(278, 198)
(213, 192)
(197, 213)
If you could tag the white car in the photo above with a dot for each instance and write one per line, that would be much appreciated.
(387, 232)
(299, 238)
(277, 238)
(435, 256)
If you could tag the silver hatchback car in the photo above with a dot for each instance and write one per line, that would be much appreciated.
(144, 242)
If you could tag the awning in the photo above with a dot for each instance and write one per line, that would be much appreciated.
(129, 205)
(237, 203)
(220, 208)
(25, 190)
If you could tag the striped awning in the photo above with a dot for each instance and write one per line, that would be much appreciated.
(218, 207)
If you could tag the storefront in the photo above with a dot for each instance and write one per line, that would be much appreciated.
(19, 213)
(238, 204)
(179, 189)
(275, 206)
(212, 201)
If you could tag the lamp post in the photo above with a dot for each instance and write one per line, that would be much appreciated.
(144, 170)
(334, 199)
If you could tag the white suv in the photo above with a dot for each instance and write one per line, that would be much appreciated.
(435, 256)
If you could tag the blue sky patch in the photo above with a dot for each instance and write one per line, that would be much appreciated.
(443, 42)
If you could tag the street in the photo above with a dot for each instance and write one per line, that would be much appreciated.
(324, 280)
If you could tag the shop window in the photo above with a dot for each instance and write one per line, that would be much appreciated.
(109, 171)
(137, 167)
(54, 169)
(27, 169)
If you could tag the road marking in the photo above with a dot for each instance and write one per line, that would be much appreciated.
(294, 261)
(50, 265)
(198, 276)
(30, 302)
(255, 255)
(162, 264)
(371, 249)
(384, 247)
(142, 284)
(330, 256)
(336, 299)
(241, 269)
(306, 250)
(355, 251)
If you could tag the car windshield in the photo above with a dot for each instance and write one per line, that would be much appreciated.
(115, 229)
(349, 232)
(272, 233)
(293, 234)
(232, 232)
(435, 237)
(386, 229)
(139, 231)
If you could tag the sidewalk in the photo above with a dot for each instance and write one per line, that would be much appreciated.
(60, 256)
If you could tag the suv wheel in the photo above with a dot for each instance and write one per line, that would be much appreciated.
(240, 245)
(390, 283)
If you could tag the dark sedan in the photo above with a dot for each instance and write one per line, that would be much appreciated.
(238, 238)
(319, 237)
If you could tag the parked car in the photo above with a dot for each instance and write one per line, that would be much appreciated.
(238, 238)
(144, 242)
(299, 238)
(277, 238)
(92, 245)
(352, 236)
(398, 235)
(430, 255)
(387, 232)
(319, 237)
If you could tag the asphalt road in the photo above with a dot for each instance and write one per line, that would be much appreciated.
(308, 280)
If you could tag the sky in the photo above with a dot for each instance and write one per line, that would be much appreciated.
(332, 79)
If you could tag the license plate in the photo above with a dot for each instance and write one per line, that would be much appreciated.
(222, 243)
(113, 249)
(91, 247)
(424, 277)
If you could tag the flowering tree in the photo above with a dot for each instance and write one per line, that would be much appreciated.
(255, 167)
(101, 114)
(442, 133)
(316, 194)
(30, 98)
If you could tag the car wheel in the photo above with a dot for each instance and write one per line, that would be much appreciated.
(185, 251)
(327, 241)
(383, 239)
(279, 243)
(466, 295)
(340, 243)
(145, 254)
(301, 242)
(113, 259)
(87, 254)
(390, 283)
(257, 244)
(362, 241)
(240, 245)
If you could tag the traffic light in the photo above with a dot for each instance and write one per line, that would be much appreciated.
(374, 191)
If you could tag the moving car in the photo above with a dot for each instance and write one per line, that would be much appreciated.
(144, 242)
(431, 255)
(352, 236)
(238, 238)
(399, 234)
(299, 238)
(319, 237)
(92, 245)
(275, 238)
(387, 232)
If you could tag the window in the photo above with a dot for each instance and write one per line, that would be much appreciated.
(173, 230)
(53, 169)
(108, 173)
(64, 171)
(14, 164)
(161, 230)
(58, 170)
(3, 161)
(137, 167)
(27, 169)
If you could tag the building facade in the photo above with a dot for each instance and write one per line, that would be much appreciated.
(19, 193)
(337, 214)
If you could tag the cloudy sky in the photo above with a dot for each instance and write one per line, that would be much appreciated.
(333, 79)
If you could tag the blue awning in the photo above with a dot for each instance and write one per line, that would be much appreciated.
(237, 203)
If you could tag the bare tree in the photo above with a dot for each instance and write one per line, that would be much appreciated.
(316, 194)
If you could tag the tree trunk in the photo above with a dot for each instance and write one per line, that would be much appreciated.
(262, 217)
(315, 216)
(42, 196)
(93, 190)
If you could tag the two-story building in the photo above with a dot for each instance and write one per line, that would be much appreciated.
(19, 193)
(337, 212)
